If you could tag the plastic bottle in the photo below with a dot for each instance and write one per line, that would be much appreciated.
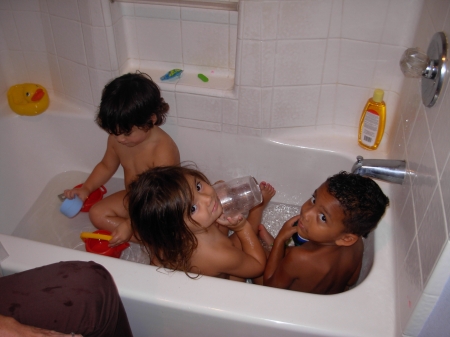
(373, 120)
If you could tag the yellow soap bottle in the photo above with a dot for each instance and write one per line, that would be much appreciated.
(373, 120)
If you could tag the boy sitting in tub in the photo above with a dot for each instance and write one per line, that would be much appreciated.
(343, 209)
(131, 111)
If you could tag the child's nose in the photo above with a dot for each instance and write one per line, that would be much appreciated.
(120, 138)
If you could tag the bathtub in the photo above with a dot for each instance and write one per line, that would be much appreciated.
(34, 150)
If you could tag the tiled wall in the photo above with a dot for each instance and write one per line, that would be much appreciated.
(421, 204)
(301, 63)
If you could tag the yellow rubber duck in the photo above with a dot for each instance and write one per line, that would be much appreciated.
(28, 99)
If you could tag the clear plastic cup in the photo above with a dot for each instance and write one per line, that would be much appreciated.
(239, 195)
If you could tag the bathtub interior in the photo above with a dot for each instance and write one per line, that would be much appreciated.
(47, 153)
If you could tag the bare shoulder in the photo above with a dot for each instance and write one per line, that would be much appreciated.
(166, 151)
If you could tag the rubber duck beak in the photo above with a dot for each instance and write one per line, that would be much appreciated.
(38, 95)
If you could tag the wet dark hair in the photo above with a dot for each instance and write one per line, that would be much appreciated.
(159, 201)
(361, 199)
(131, 100)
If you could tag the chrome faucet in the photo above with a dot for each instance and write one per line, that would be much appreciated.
(389, 170)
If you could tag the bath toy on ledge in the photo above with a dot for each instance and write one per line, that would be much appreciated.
(28, 99)
(172, 74)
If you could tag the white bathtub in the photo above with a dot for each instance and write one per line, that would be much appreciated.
(33, 150)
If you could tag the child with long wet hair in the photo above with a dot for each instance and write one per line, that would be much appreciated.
(176, 214)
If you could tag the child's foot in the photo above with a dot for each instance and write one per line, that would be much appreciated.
(265, 236)
(267, 191)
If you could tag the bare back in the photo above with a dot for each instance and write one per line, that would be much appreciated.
(323, 269)
(158, 149)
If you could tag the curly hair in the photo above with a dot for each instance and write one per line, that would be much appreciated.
(361, 199)
(131, 100)
(160, 200)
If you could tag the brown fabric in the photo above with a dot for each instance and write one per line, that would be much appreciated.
(67, 297)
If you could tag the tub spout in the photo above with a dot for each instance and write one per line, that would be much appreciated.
(389, 170)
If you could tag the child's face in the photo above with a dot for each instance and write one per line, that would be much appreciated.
(135, 137)
(321, 218)
(206, 206)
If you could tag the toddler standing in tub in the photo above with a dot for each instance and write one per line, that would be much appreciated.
(176, 213)
(131, 111)
(343, 209)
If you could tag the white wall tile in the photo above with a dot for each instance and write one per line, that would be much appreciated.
(295, 106)
(157, 46)
(402, 15)
(205, 44)
(266, 107)
(250, 18)
(357, 63)
(350, 102)
(250, 107)
(440, 131)
(268, 54)
(158, 12)
(331, 65)
(9, 30)
(97, 49)
(299, 62)
(98, 80)
(55, 74)
(126, 40)
(91, 12)
(106, 11)
(232, 44)
(112, 51)
(229, 111)
(304, 19)
(438, 10)
(204, 15)
(251, 63)
(48, 34)
(65, 9)
(336, 19)
(387, 68)
(327, 105)
(38, 68)
(43, 6)
(419, 138)
(445, 190)
(199, 107)
(432, 236)
(424, 184)
(68, 38)
(362, 20)
(404, 235)
(170, 99)
(31, 34)
(196, 124)
(25, 5)
(269, 12)
(19, 66)
(75, 79)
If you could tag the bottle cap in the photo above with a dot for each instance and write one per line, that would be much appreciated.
(378, 95)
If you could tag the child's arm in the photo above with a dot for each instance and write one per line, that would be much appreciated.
(247, 261)
(281, 270)
(102, 172)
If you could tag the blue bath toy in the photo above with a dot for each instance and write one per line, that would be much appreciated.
(172, 74)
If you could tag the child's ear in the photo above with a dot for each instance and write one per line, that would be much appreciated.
(154, 118)
(347, 239)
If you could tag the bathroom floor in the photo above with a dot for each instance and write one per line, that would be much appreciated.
(45, 223)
